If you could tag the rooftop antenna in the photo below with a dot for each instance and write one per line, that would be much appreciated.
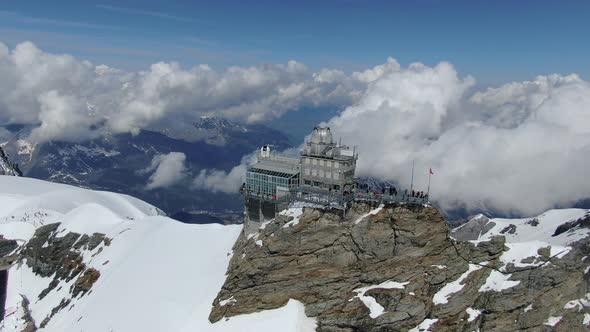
(412, 181)
(340, 141)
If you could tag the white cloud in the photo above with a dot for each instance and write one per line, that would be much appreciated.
(216, 180)
(168, 169)
(372, 74)
(60, 118)
(221, 181)
(36, 86)
(521, 148)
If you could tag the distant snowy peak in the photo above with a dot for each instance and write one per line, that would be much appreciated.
(215, 123)
(208, 129)
(7, 167)
(557, 227)
(18, 144)
(216, 131)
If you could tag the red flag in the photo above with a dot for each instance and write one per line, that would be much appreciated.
(431, 172)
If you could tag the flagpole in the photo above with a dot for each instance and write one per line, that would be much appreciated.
(428, 191)
(412, 182)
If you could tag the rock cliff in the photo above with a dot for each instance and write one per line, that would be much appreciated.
(7, 167)
(50, 254)
(395, 268)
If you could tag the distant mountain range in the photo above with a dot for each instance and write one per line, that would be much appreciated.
(112, 161)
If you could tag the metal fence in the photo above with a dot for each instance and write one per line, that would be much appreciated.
(337, 199)
(386, 198)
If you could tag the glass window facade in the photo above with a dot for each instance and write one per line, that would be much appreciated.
(264, 182)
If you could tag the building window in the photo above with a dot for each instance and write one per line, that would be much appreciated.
(314, 172)
(306, 171)
(321, 162)
(306, 160)
(328, 175)
(329, 163)
(321, 173)
(313, 162)
(307, 182)
(336, 165)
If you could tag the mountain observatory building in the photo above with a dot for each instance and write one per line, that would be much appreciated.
(322, 174)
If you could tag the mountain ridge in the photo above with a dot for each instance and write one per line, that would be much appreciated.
(111, 162)
(377, 268)
(395, 268)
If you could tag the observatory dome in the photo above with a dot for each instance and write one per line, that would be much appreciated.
(321, 135)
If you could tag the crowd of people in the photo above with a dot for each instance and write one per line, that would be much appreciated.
(365, 189)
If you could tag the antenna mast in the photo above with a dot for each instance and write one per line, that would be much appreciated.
(412, 181)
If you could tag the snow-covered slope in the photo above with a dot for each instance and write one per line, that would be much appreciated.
(156, 274)
(554, 229)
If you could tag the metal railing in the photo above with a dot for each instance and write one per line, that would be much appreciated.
(394, 198)
(336, 199)
(321, 197)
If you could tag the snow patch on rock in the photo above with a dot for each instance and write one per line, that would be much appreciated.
(578, 304)
(370, 213)
(442, 296)
(473, 314)
(374, 307)
(424, 326)
(498, 281)
(552, 321)
(231, 300)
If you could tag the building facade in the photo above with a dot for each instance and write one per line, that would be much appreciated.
(326, 165)
(273, 176)
(324, 172)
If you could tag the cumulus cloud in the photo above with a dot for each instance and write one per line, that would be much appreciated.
(60, 118)
(168, 169)
(36, 87)
(222, 181)
(520, 148)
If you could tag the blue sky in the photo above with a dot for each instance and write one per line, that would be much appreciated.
(495, 41)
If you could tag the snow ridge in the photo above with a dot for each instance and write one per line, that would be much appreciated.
(150, 259)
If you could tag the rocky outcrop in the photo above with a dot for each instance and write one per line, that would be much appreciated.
(580, 223)
(7, 167)
(396, 268)
(7, 247)
(472, 229)
(50, 253)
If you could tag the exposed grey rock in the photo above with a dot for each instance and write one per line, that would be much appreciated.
(321, 261)
(533, 222)
(510, 229)
(473, 228)
(50, 254)
(581, 222)
(7, 247)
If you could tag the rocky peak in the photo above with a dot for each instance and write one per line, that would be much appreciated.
(395, 268)
(8, 167)
(215, 123)
(216, 131)
(51, 254)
